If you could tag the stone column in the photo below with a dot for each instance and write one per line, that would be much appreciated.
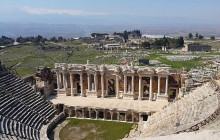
(158, 85)
(125, 117)
(58, 80)
(89, 82)
(140, 88)
(97, 114)
(71, 83)
(81, 83)
(125, 84)
(117, 86)
(104, 115)
(102, 85)
(83, 113)
(132, 84)
(96, 82)
(106, 87)
(118, 116)
(89, 112)
(64, 80)
(76, 113)
(166, 88)
(151, 93)
(111, 112)
(140, 117)
(132, 117)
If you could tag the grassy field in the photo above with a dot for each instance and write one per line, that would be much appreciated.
(77, 129)
(24, 59)
(177, 64)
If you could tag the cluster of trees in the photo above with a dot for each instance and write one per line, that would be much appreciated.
(59, 39)
(39, 39)
(197, 36)
(36, 40)
(212, 37)
(6, 41)
(165, 41)
(135, 33)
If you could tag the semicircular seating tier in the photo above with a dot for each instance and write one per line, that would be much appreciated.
(188, 114)
(22, 112)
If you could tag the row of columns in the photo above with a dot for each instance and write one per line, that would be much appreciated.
(95, 82)
(97, 111)
(140, 96)
(126, 85)
(63, 84)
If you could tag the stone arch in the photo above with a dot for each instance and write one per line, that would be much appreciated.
(114, 116)
(93, 114)
(108, 115)
(129, 116)
(86, 113)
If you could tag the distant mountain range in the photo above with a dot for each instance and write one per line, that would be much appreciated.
(74, 30)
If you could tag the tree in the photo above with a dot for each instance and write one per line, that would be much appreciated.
(145, 45)
(197, 35)
(190, 35)
(54, 39)
(212, 37)
(60, 39)
(165, 41)
(200, 37)
(125, 36)
(180, 41)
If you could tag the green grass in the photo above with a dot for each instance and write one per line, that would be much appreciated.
(24, 59)
(180, 64)
(176, 64)
(106, 130)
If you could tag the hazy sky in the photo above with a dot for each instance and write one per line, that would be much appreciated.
(134, 12)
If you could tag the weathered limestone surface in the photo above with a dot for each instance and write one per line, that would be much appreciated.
(185, 115)
(139, 106)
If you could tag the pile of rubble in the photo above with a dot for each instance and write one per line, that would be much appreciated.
(181, 57)
(125, 57)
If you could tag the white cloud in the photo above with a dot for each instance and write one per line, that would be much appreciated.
(43, 11)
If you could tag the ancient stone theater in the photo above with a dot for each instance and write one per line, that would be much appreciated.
(122, 93)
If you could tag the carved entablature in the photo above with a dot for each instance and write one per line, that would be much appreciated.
(112, 70)
(163, 72)
(146, 71)
(76, 68)
(60, 67)
(128, 70)
(91, 69)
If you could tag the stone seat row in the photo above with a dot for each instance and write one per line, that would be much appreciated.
(17, 130)
(26, 95)
(22, 112)
(187, 112)
(182, 104)
(197, 109)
